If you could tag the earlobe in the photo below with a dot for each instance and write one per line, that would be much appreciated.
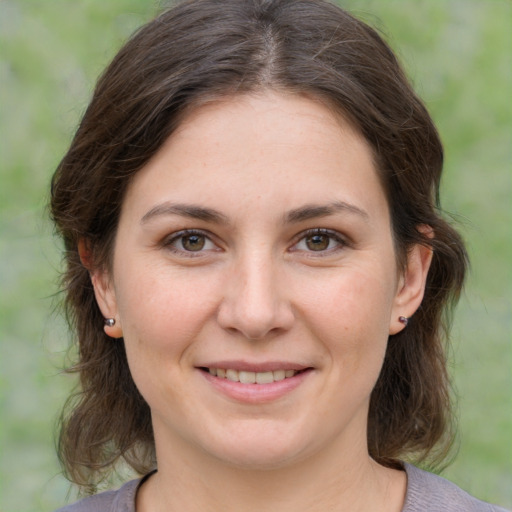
(106, 299)
(103, 291)
(412, 284)
(112, 329)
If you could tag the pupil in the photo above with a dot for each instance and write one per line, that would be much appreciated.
(317, 242)
(193, 242)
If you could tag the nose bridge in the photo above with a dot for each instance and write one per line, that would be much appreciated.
(255, 303)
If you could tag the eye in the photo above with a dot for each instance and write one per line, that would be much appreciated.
(319, 240)
(190, 241)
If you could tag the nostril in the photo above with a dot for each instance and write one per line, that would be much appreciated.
(255, 305)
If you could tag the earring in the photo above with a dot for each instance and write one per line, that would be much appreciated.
(110, 322)
(404, 320)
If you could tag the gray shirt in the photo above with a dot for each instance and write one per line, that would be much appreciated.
(425, 493)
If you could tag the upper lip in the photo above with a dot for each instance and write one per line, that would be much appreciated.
(246, 366)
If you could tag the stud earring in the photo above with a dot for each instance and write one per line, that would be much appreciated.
(110, 322)
(404, 320)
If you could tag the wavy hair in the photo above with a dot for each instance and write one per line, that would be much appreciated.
(200, 50)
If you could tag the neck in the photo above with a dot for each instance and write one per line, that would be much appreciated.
(192, 482)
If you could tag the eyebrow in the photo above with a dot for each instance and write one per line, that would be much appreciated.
(314, 211)
(301, 214)
(185, 210)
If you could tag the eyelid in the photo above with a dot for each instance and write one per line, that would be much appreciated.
(341, 240)
(167, 242)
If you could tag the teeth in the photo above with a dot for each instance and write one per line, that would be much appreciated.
(247, 377)
(264, 377)
(281, 374)
(232, 375)
(252, 377)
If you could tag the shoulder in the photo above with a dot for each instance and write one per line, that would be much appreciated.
(122, 500)
(426, 491)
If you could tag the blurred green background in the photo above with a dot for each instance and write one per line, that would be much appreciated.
(458, 54)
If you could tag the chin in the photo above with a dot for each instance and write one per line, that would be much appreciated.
(258, 459)
(260, 448)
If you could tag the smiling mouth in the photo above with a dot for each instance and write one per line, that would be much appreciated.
(246, 377)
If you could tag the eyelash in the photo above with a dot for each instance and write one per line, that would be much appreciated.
(332, 235)
(175, 237)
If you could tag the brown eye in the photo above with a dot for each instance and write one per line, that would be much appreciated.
(318, 242)
(321, 241)
(190, 243)
(193, 242)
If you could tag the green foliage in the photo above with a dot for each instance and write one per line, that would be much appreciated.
(458, 54)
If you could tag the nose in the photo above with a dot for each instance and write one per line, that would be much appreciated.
(254, 303)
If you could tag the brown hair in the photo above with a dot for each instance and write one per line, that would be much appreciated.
(199, 50)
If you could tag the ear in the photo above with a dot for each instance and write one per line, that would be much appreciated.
(103, 290)
(411, 286)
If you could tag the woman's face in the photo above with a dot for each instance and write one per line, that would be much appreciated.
(255, 283)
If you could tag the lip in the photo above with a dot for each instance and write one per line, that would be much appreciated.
(246, 366)
(256, 393)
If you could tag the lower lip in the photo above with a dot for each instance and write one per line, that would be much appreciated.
(256, 393)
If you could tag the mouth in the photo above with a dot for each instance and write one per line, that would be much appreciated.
(250, 377)
(255, 383)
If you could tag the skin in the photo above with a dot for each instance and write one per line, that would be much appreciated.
(257, 284)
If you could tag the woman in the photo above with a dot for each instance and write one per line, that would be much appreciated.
(257, 269)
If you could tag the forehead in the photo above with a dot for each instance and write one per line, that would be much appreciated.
(262, 117)
(281, 146)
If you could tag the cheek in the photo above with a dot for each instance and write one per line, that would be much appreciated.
(350, 313)
(162, 310)
(160, 322)
(352, 298)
